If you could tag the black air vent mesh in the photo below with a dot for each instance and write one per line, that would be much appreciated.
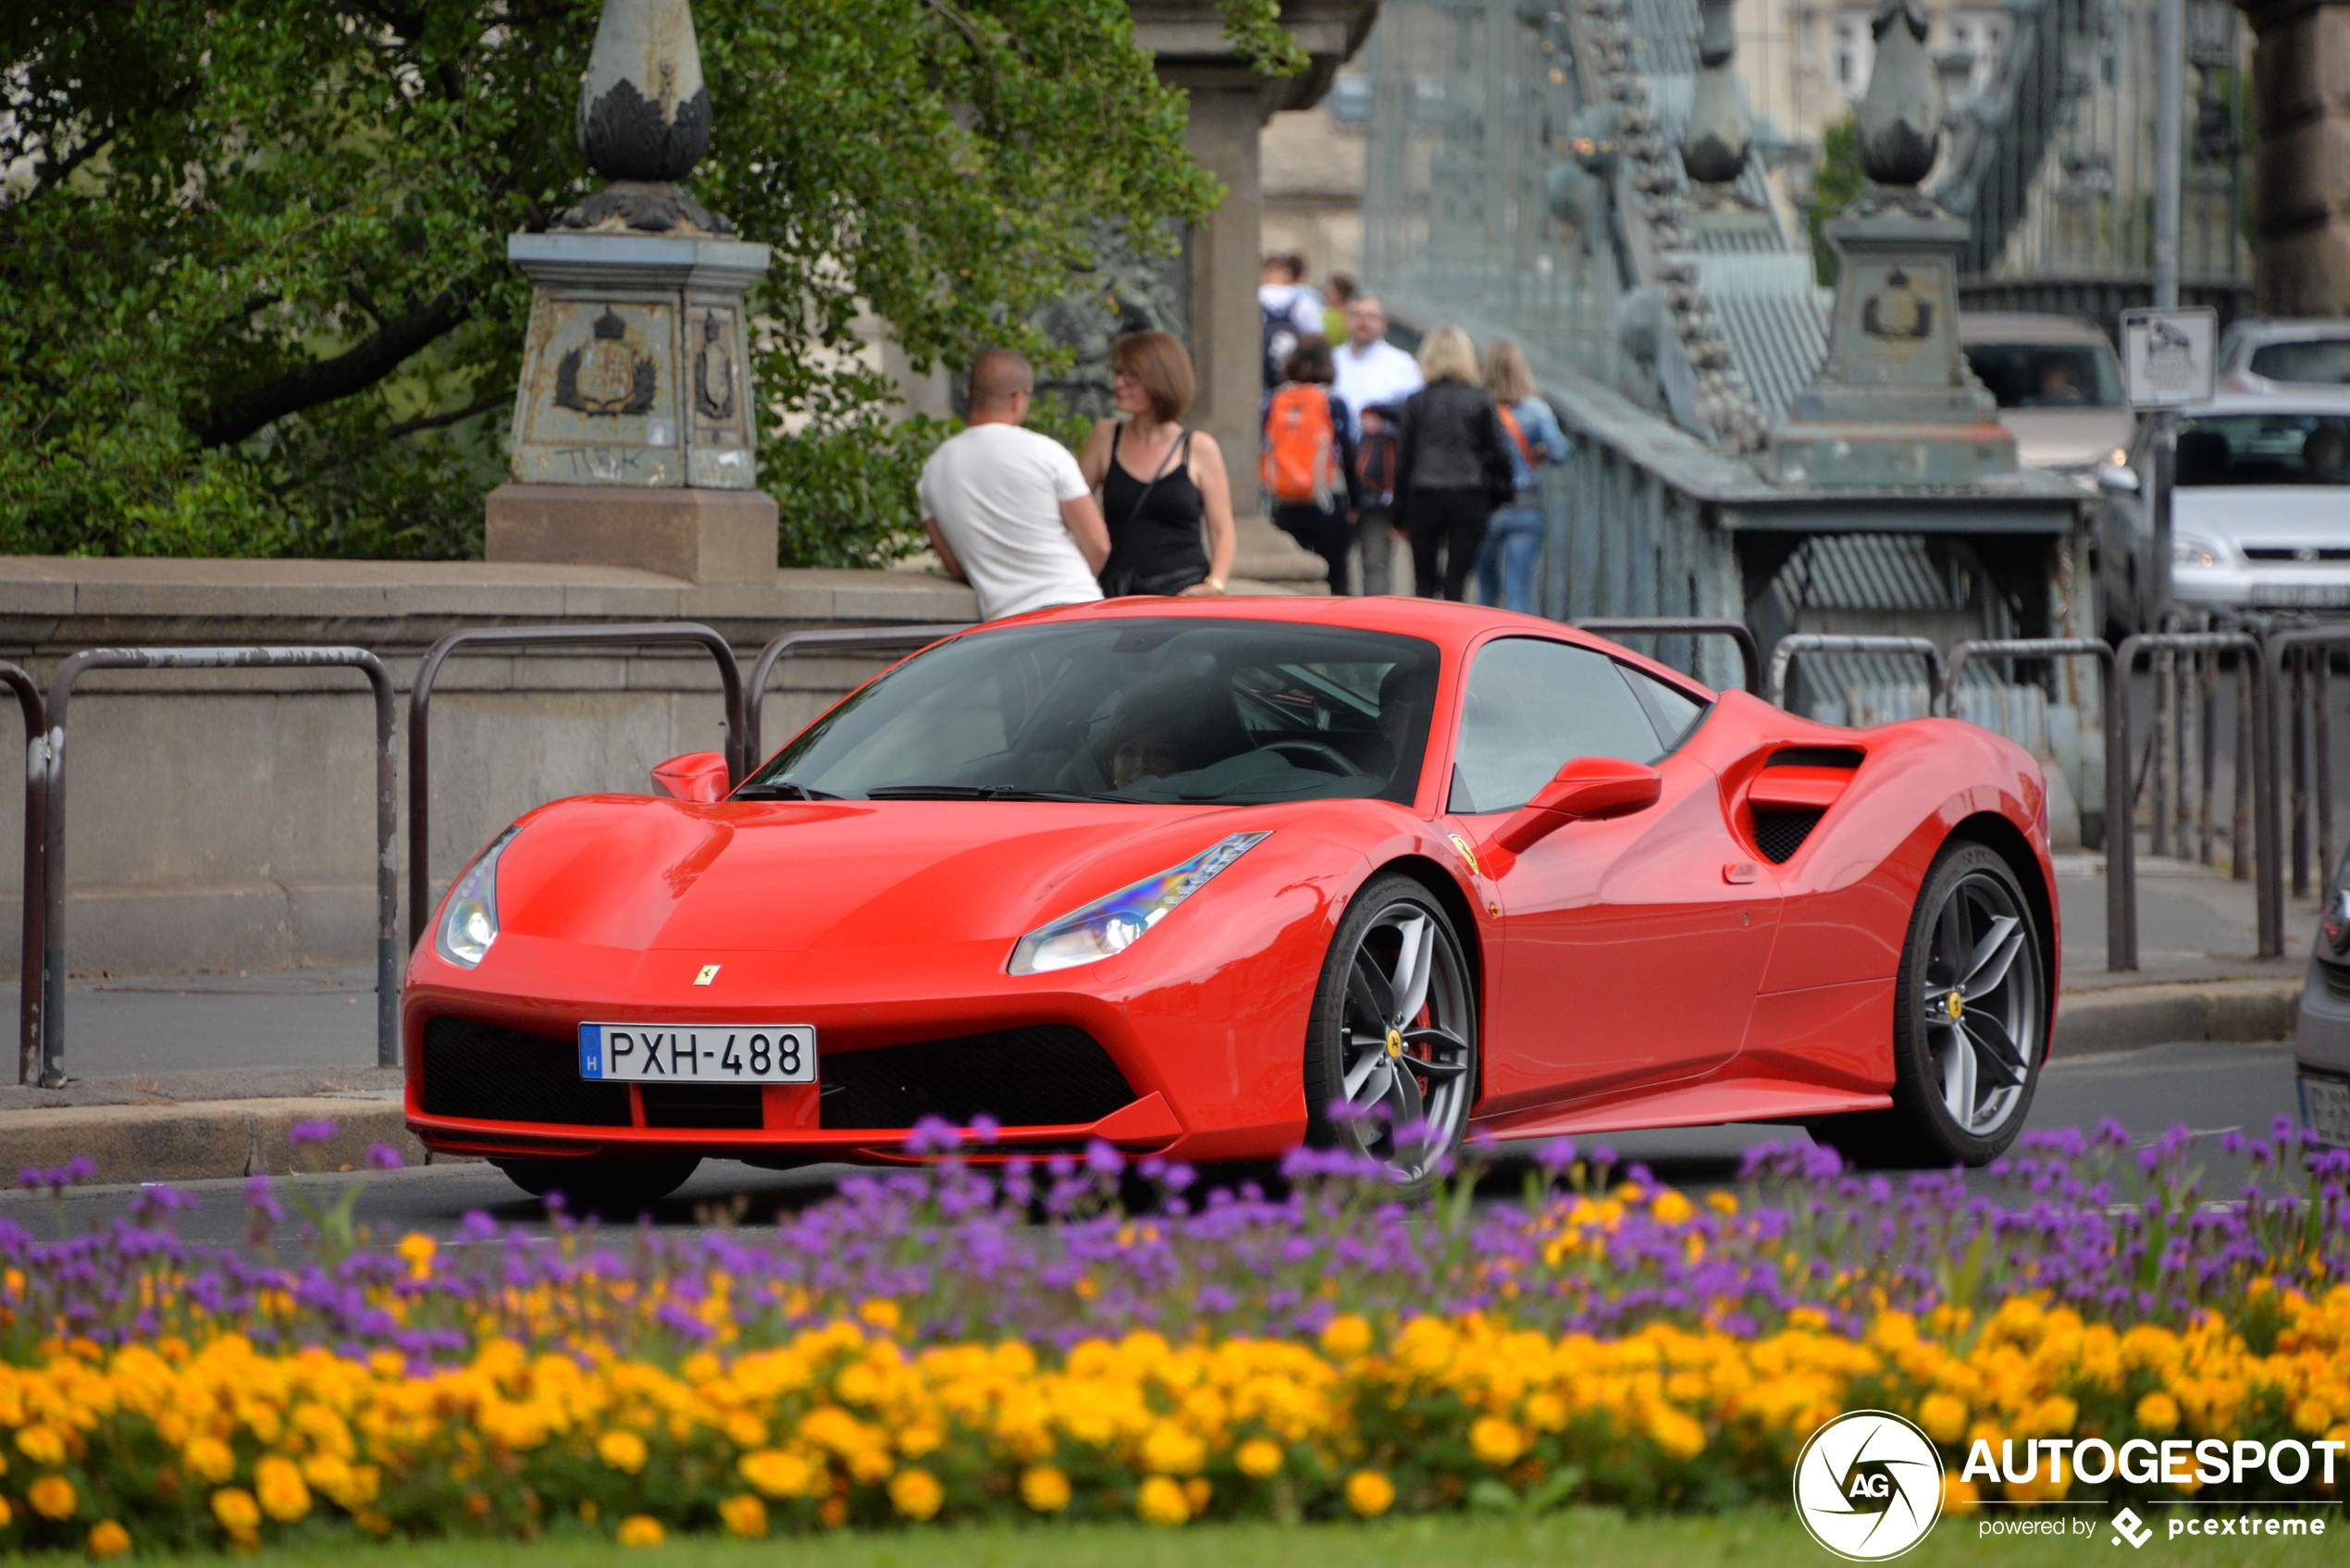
(1047, 1075)
(484, 1072)
(1780, 833)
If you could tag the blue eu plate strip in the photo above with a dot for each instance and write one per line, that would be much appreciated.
(592, 1050)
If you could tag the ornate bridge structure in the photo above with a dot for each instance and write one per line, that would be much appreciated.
(1584, 176)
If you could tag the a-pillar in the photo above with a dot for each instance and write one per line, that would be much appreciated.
(2301, 201)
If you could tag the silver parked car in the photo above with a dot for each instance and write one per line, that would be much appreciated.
(2059, 387)
(2261, 517)
(2284, 356)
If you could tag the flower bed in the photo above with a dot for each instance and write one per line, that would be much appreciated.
(924, 1346)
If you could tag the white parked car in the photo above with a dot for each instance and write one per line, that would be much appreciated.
(2260, 519)
(2284, 356)
(2058, 386)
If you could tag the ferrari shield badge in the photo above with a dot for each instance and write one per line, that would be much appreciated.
(709, 973)
(1466, 854)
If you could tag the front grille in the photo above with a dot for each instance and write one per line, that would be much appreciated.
(485, 1072)
(2303, 554)
(1778, 833)
(1046, 1075)
(2337, 979)
(702, 1105)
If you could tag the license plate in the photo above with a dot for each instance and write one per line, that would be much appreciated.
(687, 1053)
(2308, 595)
(2325, 1107)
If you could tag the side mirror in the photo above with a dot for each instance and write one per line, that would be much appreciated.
(1588, 787)
(2118, 480)
(698, 776)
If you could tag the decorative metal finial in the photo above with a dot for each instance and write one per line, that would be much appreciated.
(1900, 119)
(644, 113)
(1714, 147)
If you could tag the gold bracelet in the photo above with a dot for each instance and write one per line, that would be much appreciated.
(1216, 583)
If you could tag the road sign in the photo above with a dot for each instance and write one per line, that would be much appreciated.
(2169, 357)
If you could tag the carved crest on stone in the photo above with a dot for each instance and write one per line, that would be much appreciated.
(1898, 313)
(714, 370)
(607, 375)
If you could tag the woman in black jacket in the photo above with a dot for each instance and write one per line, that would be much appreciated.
(1452, 466)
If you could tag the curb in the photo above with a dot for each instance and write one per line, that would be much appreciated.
(204, 1141)
(2130, 1018)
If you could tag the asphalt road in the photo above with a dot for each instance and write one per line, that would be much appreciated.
(2212, 1088)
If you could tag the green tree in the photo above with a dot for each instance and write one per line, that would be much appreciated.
(1836, 186)
(253, 294)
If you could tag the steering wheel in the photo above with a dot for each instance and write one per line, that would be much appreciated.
(1338, 762)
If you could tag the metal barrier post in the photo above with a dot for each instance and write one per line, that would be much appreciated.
(36, 859)
(2120, 901)
(730, 678)
(2323, 640)
(842, 640)
(50, 763)
(2120, 832)
(1738, 632)
(1783, 655)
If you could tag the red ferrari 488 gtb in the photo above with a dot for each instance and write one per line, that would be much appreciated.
(1207, 879)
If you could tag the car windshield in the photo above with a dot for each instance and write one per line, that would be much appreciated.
(2047, 374)
(2264, 449)
(2325, 361)
(1164, 710)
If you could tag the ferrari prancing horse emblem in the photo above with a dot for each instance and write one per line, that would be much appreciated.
(709, 973)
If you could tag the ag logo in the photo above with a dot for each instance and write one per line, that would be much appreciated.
(1868, 1485)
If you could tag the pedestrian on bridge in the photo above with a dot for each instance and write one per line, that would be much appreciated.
(1451, 465)
(1374, 377)
(1513, 537)
(1161, 485)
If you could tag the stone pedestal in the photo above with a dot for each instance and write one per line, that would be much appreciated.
(701, 535)
(2301, 201)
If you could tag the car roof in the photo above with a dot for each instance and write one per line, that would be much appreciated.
(2025, 327)
(1448, 625)
(2327, 401)
(2285, 328)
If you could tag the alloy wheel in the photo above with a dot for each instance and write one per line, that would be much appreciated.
(1980, 1003)
(1406, 1058)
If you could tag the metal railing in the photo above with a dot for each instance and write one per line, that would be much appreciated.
(847, 639)
(2305, 732)
(630, 634)
(49, 760)
(1784, 651)
(1738, 632)
(2121, 878)
(36, 858)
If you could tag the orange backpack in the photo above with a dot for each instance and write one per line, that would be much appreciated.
(1300, 463)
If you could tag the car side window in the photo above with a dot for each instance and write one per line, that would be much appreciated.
(1531, 706)
(1674, 711)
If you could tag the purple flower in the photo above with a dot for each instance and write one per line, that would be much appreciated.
(383, 1156)
(259, 1198)
(306, 1132)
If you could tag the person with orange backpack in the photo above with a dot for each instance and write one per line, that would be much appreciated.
(1308, 462)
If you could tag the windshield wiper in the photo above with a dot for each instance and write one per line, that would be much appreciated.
(783, 789)
(969, 792)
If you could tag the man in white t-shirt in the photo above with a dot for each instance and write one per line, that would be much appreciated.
(1007, 509)
(1372, 372)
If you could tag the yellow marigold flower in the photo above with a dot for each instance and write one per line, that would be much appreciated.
(1675, 1432)
(108, 1539)
(1369, 1493)
(417, 1250)
(53, 1497)
(1259, 1457)
(2312, 1416)
(1546, 1411)
(1161, 1501)
(7, 1514)
(778, 1474)
(1043, 1489)
(2159, 1413)
(746, 1431)
(1347, 1336)
(1671, 1208)
(915, 1493)
(1722, 1203)
(43, 1444)
(209, 1459)
(621, 1449)
(1167, 1449)
(1196, 1491)
(1943, 1416)
(1495, 1441)
(1958, 1496)
(238, 1513)
(919, 1439)
(284, 1495)
(744, 1515)
(641, 1530)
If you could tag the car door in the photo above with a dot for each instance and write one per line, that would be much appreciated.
(1632, 947)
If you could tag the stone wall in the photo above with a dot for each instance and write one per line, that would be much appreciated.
(2301, 201)
(224, 819)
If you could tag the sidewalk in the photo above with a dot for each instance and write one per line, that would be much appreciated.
(190, 1077)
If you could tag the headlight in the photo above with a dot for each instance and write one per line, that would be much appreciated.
(1111, 925)
(469, 920)
(2188, 550)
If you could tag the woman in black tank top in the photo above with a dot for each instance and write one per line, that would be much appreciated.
(1157, 508)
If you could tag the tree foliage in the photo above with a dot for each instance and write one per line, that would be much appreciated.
(253, 293)
(1835, 187)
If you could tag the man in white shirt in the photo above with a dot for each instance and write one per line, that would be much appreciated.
(1007, 509)
(1372, 372)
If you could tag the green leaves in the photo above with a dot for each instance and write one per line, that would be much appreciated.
(254, 297)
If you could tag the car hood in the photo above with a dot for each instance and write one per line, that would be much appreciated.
(633, 873)
(2264, 514)
(2067, 437)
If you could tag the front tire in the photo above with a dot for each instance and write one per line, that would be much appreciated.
(1392, 1037)
(1969, 1023)
(613, 1188)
